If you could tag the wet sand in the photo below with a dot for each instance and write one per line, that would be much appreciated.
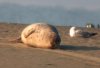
(73, 52)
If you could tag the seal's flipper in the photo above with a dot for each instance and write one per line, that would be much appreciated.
(17, 40)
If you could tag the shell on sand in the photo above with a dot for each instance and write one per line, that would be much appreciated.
(41, 35)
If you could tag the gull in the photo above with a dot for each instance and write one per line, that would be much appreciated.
(74, 32)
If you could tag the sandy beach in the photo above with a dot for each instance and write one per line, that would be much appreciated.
(73, 52)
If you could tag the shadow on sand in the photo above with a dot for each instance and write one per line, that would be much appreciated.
(85, 48)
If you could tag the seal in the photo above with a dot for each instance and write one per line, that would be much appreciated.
(40, 35)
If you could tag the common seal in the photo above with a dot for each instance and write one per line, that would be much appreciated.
(41, 35)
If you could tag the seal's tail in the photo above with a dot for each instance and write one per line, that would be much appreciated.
(17, 40)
